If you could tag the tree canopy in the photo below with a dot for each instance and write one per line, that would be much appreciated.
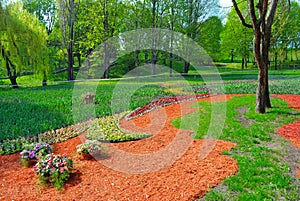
(61, 34)
(23, 42)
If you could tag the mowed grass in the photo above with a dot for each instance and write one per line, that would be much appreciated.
(262, 175)
(33, 110)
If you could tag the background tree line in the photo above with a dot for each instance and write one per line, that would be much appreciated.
(55, 36)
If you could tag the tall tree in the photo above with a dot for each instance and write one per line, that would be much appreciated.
(286, 32)
(45, 11)
(262, 18)
(194, 13)
(209, 36)
(67, 10)
(242, 42)
(22, 42)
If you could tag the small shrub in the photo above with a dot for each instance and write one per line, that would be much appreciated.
(107, 129)
(34, 151)
(89, 147)
(54, 169)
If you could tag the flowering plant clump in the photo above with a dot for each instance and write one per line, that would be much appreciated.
(34, 151)
(54, 168)
(89, 147)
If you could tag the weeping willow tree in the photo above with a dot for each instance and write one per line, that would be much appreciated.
(22, 43)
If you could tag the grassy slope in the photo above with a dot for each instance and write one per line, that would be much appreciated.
(262, 174)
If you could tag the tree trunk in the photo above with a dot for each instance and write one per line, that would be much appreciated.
(106, 61)
(13, 81)
(153, 59)
(296, 52)
(44, 82)
(260, 92)
(186, 67)
(71, 41)
(267, 91)
(106, 30)
(275, 60)
(243, 63)
(261, 86)
(11, 70)
(70, 62)
(136, 61)
(171, 64)
(78, 55)
(153, 63)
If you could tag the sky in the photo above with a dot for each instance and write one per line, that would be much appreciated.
(225, 8)
(225, 3)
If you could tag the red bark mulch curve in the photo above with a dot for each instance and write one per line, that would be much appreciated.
(188, 178)
(291, 131)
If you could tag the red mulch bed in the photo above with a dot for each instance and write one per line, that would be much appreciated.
(291, 131)
(188, 178)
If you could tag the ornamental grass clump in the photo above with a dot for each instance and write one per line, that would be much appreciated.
(54, 169)
(34, 151)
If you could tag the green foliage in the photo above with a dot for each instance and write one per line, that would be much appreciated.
(236, 39)
(209, 37)
(22, 42)
(107, 129)
(44, 10)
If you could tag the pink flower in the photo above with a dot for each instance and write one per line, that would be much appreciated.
(61, 169)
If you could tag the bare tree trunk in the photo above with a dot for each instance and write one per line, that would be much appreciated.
(106, 61)
(171, 64)
(153, 59)
(275, 60)
(71, 40)
(296, 52)
(186, 67)
(106, 30)
(172, 39)
(260, 91)
(44, 82)
(243, 63)
(11, 69)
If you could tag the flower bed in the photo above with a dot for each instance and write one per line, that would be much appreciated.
(54, 169)
(159, 103)
(32, 152)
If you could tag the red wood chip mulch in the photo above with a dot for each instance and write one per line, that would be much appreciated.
(187, 178)
(291, 131)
